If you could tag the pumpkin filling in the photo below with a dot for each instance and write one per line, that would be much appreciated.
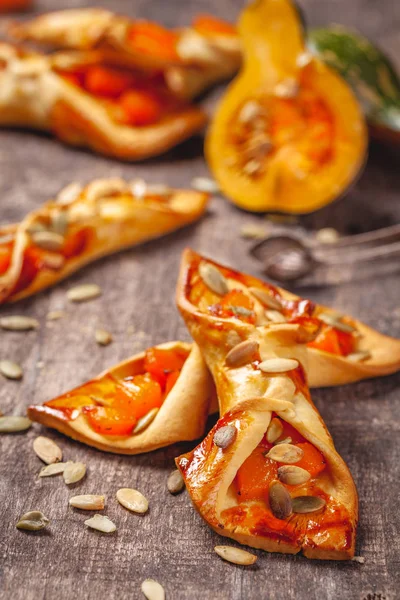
(124, 402)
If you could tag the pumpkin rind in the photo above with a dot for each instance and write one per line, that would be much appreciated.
(275, 53)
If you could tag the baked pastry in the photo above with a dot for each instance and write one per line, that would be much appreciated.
(115, 111)
(191, 59)
(83, 224)
(136, 406)
(344, 349)
(268, 474)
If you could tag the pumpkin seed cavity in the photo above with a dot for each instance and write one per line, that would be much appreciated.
(14, 424)
(101, 523)
(278, 365)
(18, 323)
(236, 556)
(145, 421)
(241, 354)
(225, 436)
(307, 504)
(175, 482)
(279, 500)
(34, 520)
(47, 450)
(153, 590)
(11, 370)
(133, 500)
(286, 453)
(213, 279)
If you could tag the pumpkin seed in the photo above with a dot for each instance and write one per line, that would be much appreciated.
(274, 430)
(158, 189)
(35, 227)
(13, 424)
(88, 502)
(205, 184)
(327, 235)
(133, 500)
(18, 323)
(69, 194)
(292, 475)
(103, 337)
(138, 188)
(334, 321)
(286, 453)
(103, 188)
(358, 559)
(235, 555)
(47, 450)
(288, 88)
(249, 111)
(145, 421)
(53, 469)
(74, 472)
(10, 370)
(48, 240)
(286, 440)
(53, 261)
(359, 356)
(54, 315)
(241, 311)
(213, 279)
(253, 232)
(175, 483)
(241, 354)
(232, 339)
(101, 523)
(34, 520)
(280, 501)
(153, 590)
(278, 365)
(307, 504)
(82, 293)
(266, 299)
(275, 316)
(225, 436)
(59, 222)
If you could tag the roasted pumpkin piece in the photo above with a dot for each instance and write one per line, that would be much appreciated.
(289, 134)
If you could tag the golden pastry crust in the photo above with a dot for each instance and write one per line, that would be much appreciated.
(181, 417)
(104, 217)
(34, 94)
(201, 59)
(248, 397)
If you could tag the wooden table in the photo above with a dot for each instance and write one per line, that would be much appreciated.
(171, 543)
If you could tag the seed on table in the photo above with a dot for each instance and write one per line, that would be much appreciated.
(266, 299)
(13, 424)
(101, 523)
(10, 369)
(34, 520)
(278, 365)
(235, 555)
(83, 293)
(307, 504)
(88, 502)
(18, 323)
(175, 482)
(205, 184)
(274, 431)
(225, 436)
(153, 590)
(133, 500)
(74, 472)
(47, 450)
(54, 315)
(286, 453)
(293, 475)
(279, 500)
(53, 469)
(103, 337)
(241, 354)
(145, 421)
(213, 279)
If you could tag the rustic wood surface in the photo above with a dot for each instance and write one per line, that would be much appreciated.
(171, 543)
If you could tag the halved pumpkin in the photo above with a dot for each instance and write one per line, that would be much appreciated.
(289, 134)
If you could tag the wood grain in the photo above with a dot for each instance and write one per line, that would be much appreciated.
(171, 543)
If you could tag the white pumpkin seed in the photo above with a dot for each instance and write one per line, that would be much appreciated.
(69, 194)
(18, 323)
(103, 337)
(278, 365)
(10, 370)
(175, 483)
(48, 240)
(83, 293)
(241, 311)
(241, 354)
(286, 440)
(205, 184)
(358, 559)
(34, 520)
(145, 421)
(101, 523)
(252, 231)
(74, 472)
(133, 500)
(334, 321)
(53, 469)
(286, 453)
(88, 502)
(275, 316)
(47, 450)
(54, 315)
(153, 590)
(103, 188)
(13, 424)
(307, 504)
(225, 436)
(292, 475)
(213, 279)
(274, 430)
(235, 555)
(359, 356)
(53, 261)
(327, 235)
(266, 299)
(59, 222)
(279, 500)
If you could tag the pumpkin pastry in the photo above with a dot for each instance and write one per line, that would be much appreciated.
(190, 59)
(115, 111)
(84, 223)
(268, 474)
(340, 349)
(136, 406)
